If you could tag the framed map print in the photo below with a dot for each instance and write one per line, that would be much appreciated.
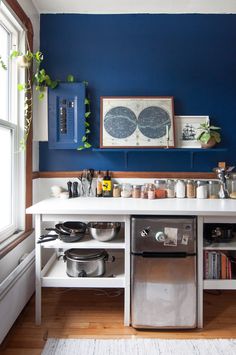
(136, 122)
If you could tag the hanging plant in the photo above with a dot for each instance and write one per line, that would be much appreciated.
(35, 76)
(2, 64)
(85, 142)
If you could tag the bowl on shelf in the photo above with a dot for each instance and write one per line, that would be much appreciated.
(103, 231)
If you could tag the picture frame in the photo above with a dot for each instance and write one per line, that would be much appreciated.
(186, 130)
(137, 122)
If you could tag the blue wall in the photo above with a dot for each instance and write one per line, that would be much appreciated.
(190, 57)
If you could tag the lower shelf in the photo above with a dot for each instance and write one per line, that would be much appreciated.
(54, 275)
(219, 284)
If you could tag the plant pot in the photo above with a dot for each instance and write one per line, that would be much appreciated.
(210, 144)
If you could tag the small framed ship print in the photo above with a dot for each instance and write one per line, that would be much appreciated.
(186, 130)
(137, 122)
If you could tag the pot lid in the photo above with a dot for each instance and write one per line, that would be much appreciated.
(84, 254)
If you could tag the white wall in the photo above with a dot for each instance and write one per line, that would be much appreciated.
(136, 6)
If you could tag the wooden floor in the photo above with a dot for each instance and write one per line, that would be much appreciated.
(77, 313)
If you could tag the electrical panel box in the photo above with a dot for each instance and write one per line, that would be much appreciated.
(66, 116)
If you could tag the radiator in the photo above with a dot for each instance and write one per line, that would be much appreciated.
(15, 291)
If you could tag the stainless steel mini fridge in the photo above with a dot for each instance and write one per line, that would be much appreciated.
(163, 275)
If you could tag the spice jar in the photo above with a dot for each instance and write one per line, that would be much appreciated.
(160, 188)
(180, 189)
(136, 191)
(231, 184)
(151, 191)
(144, 191)
(126, 190)
(170, 188)
(190, 189)
(116, 190)
(214, 188)
(202, 189)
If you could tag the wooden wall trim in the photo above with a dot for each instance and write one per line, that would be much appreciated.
(129, 174)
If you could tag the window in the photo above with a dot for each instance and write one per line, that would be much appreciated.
(12, 160)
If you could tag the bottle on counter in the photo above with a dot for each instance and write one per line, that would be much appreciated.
(160, 188)
(144, 191)
(180, 189)
(116, 190)
(107, 185)
(136, 191)
(99, 184)
(151, 191)
(170, 188)
(202, 189)
(190, 189)
(126, 190)
(214, 188)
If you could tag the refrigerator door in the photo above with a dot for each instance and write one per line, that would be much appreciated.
(163, 234)
(163, 293)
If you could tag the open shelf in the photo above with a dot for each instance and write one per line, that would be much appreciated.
(54, 275)
(164, 149)
(219, 284)
(87, 243)
(221, 246)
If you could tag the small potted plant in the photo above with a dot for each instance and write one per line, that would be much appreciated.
(209, 135)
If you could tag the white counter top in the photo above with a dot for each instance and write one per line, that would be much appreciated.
(129, 206)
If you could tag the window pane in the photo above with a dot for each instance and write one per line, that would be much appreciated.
(4, 82)
(5, 177)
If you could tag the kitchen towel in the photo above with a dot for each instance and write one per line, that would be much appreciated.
(140, 347)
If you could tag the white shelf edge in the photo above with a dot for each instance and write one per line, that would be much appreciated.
(55, 276)
(219, 284)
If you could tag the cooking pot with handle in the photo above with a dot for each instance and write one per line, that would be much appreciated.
(86, 262)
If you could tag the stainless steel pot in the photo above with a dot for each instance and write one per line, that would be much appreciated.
(86, 262)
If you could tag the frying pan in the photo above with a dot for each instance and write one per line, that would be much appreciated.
(74, 228)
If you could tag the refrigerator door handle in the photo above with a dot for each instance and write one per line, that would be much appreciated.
(164, 255)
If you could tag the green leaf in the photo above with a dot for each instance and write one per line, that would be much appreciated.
(84, 138)
(41, 96)
(54, 84)
(87, 131)
(70, 78)
(86, 124)
(87, 145)
(86, 101)
(85, 82)
(87, 114)
(15, 54)
(80, 148)
(21, 87)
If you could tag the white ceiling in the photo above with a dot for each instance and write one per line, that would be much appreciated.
(135, 6)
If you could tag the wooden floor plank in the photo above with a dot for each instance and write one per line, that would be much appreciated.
(74, 313)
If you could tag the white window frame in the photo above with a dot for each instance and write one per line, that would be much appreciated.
(16, 125)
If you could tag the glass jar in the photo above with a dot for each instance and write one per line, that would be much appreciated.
(116, 190)
(202, 189)
(126, 190)
(151, 191)
(214, 188)
(190, 189)
(231, 184)
(180, 189)
(144, 191)
(136, 191)
(170, 188)
(160, 188)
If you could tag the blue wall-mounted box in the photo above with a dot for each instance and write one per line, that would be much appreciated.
(66, 116)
